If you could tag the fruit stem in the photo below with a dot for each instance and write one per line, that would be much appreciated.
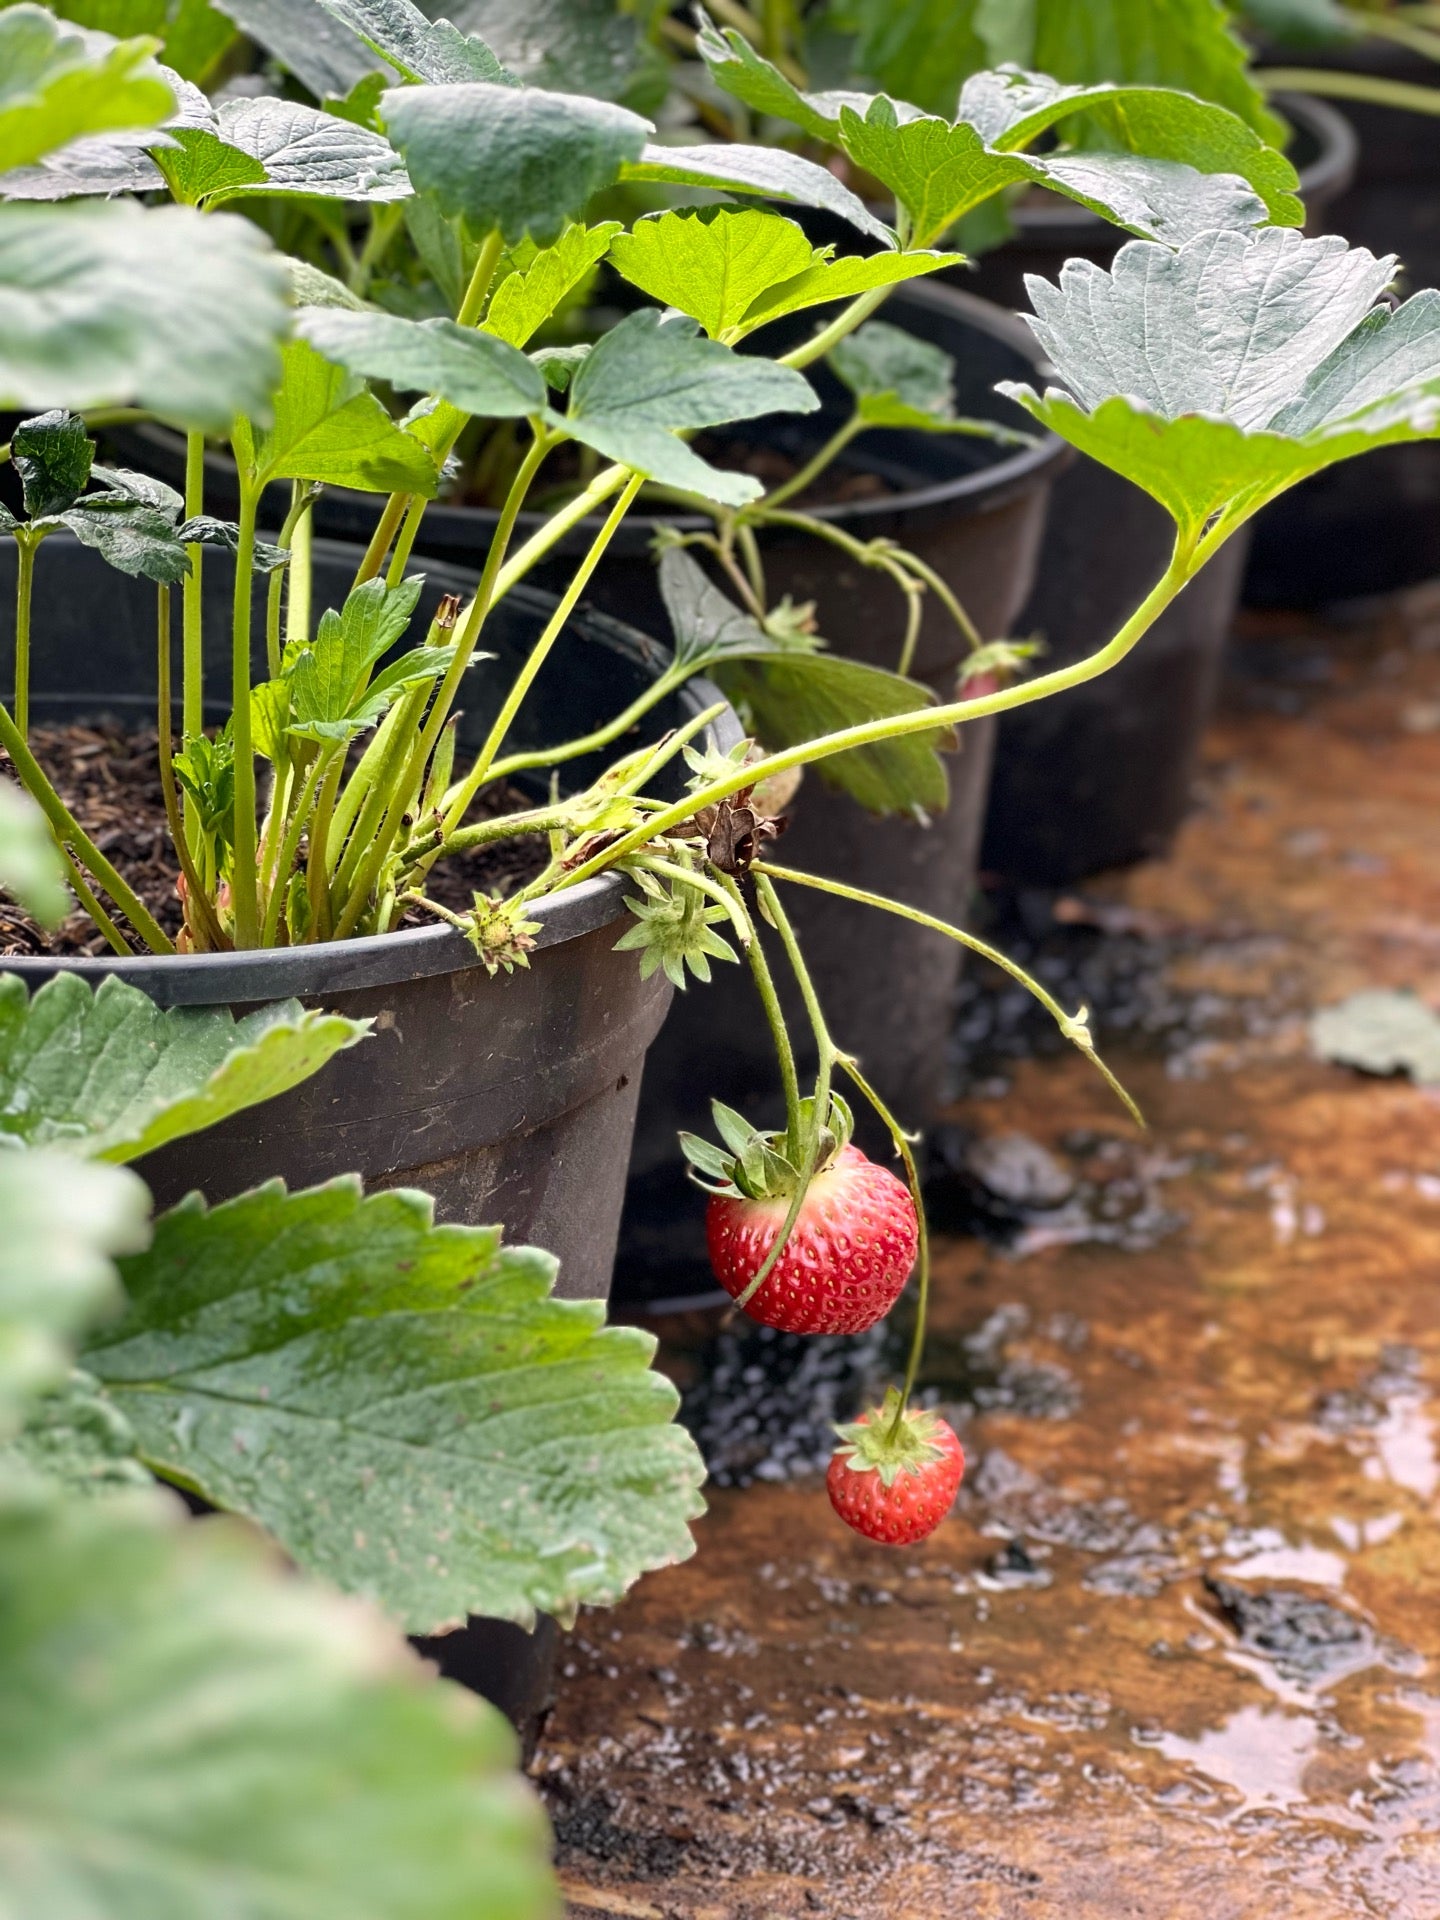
(820, 1106)
(770, 1000)
(922, 1244)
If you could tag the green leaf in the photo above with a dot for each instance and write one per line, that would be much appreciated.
(795, 697)
(64, 1225)
(329, 691)
(715, 264)
(102, 164)
(329, 426)
(52, 455)
(1011, 108)
(794, 693)
(199, 166)
(526, 299)
(194, 33)
(650, 377)
(732, 269)
(112, 304)
(1381, 1032)
(568, 46)
(511, 157)
(30, 869)
(401, 1405)
(768, 171)
(304, 37)
(1218, 376)
(914, 49)
(59, 83)
(1173, 43)
(304, 151)
(204, 530)
(130, 536)
(109, 1075)
(474, 371)
(233, 1744)
(416, 47)
(736, 67)
(78, 1437)
(901, 381)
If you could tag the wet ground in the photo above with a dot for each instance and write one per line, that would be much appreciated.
(1177, 1652)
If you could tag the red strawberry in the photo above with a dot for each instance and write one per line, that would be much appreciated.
(895, 1484)
(846, 1261)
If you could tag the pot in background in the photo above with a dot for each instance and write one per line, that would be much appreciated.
(1371, 526)
(976, 512)
(1100, 776)
(509, 1099)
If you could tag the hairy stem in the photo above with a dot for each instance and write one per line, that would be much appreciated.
(244, 872)
(1072, 1026)
(1184, 562)
(69, 832)
(25, 546)
(814, 467)
(200, 912)
(1351, 86)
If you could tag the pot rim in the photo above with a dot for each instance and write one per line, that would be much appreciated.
(382, 959)
(979, 491)
(1066, 223)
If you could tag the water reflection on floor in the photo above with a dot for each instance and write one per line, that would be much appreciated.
(1178, 1651)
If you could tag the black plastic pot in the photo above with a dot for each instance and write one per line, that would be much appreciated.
(976, 513)
(1101, 775)
(509, 1099)
(1373, 525)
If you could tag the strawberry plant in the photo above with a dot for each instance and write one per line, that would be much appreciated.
(1220, 362)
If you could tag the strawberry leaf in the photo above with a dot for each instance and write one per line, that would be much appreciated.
(109, 1075)
(1276, 363)
(437, 1432)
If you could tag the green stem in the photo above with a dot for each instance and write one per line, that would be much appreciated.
(24, 587)
(521, 685)
(1074, 1027)
(813, 468)
(473, 305)
(200, 912)
(192, 658)
(302, 498)
(1405, 33)
(844, 323)
(1351, 86)
(658, 690)
(775, 1018)
(116, 940)
(808, 1151)
(316, 876)
(390, 518)
(289, 851)
(400, 559)
(244, 870)
(301, 573)
(68, 831)
(607, 482)
(344, 857)
(1185, 561)
(922, 1243)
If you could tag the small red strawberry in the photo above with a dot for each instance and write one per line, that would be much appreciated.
(895, 1484)
(850, 1251)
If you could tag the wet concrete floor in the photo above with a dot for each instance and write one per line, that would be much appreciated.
(1177, 1651)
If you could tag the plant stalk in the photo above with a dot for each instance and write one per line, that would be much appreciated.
(244, 873)
(197, 900)
(25, 546)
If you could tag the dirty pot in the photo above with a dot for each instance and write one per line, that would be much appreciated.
(1101, 775)
(509, 1099)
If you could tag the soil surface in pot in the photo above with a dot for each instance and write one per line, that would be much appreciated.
(107, 775)
(1176, 1652)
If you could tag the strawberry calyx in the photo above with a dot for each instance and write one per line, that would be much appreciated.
(756, 1165)
(876, 1443)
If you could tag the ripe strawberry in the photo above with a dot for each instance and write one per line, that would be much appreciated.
(895, 1485)
(846, 1261)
